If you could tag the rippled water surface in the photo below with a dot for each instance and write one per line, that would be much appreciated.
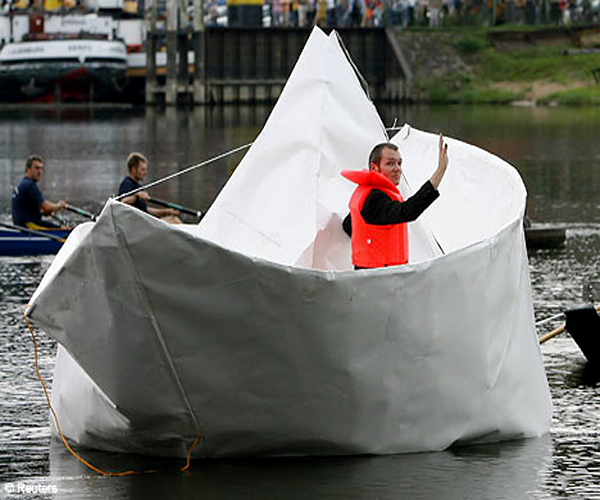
(558, 155)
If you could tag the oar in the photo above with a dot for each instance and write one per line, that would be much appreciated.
(552, 334)
(81, 211)
(557, 331)
(33, 232)
(58, 219)
(183, 210)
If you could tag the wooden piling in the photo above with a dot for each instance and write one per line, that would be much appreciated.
(151, 46)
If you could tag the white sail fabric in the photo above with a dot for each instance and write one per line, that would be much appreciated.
(251, 330)
(286, 199)
(480, 194)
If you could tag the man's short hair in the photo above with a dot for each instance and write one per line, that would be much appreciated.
(377, 152)
(31, 159)
(134, 159)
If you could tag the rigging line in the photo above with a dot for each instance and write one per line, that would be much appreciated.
(181, 172)
(393, 128)
(361, 79)
(547, 320)
(438, 243)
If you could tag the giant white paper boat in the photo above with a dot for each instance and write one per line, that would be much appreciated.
(253, 331)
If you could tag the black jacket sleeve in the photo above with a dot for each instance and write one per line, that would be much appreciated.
(347, 225)
(379, 209)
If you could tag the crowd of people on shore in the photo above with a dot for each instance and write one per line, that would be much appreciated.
(347, 13)
(327, 13)
(405, 13)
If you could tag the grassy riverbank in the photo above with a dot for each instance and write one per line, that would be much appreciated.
(555, 72)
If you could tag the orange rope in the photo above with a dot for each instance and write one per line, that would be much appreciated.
(62, 436)
(186, 467)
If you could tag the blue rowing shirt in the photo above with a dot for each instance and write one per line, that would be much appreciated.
(26, 201)
(128, 184)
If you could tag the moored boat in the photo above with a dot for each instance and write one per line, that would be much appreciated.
(252, 331)
(544, 236)
(583, 324)
(19, 243)
(63, 67)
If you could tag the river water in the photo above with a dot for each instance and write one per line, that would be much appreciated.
(557, 152)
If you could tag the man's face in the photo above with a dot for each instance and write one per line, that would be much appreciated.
(139, 172)
(35, 171)
(390, 165)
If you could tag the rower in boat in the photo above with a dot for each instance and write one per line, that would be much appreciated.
(137, 165)
(28, 203)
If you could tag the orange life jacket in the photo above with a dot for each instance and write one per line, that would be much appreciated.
(374, 245)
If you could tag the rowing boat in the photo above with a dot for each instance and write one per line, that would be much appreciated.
(18, 243)
(544, 236)
(583, 323)
(251, 330)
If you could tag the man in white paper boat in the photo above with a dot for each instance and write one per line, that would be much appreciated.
(252, 330)
(377, 222)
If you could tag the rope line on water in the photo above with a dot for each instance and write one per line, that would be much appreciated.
(60, 432)
(181, 172)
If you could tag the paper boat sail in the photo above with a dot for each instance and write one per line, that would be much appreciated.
(252, 330)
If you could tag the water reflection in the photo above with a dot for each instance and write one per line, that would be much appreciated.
(24, 433)
(507, 470)
(555, 150)
(582, 375)
(85, 149)
(561, 277)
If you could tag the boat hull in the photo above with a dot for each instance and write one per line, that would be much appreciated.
(63, 70)
(15, 243)
(265, 359)
(65, 82)
(583, 324)
(541, 236)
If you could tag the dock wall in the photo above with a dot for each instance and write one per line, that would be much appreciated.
(247, 65)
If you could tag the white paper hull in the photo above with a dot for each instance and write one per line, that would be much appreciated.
(269, 359)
